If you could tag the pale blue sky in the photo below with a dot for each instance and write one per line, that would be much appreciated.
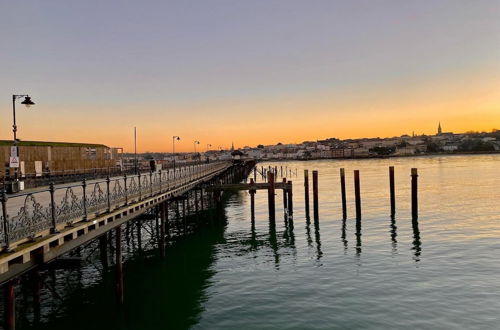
(190, 58)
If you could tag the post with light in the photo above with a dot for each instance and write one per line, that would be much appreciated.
(174, 138)
(14, 155)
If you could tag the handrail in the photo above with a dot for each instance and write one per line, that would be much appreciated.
(30, 214)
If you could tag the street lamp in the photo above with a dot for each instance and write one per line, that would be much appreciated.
(174, 138)
(27, 102)
(195, 143)
(208, 146)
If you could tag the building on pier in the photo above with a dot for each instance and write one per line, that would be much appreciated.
(38, 158)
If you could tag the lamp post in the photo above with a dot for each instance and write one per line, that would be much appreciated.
(195, 143)
(208, 146)
(178, 138)
(135, 150)
(27, 102)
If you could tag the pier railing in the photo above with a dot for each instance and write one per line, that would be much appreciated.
(28, 215)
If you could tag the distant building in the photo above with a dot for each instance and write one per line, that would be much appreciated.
(440, 131)
(37, 158)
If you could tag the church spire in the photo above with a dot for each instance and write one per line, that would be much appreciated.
(440, 131)
(232, 146)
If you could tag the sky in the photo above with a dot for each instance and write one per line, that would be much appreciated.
(248, 72)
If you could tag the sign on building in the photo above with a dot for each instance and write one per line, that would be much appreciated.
(38, 168)
(13, 151)
(91, 153)
(14, 162)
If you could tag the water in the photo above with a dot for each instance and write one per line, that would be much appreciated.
(313, 275)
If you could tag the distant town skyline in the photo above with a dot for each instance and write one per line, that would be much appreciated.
(247, 72)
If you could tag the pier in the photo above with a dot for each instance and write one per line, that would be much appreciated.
(41, 225)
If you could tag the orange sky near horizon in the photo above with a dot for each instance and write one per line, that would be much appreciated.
(461, 103)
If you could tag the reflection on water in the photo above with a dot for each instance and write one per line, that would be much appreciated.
(417, 244)
(242, 273)
(394, 234)
(317, 239)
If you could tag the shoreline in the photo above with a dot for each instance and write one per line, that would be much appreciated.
(470, 153)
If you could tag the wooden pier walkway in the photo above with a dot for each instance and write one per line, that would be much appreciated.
(40, 225)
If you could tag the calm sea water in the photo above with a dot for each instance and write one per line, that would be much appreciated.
(230, 274)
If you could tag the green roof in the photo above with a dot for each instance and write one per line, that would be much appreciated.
(51, 144)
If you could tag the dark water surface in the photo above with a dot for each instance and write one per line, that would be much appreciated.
(230, 274)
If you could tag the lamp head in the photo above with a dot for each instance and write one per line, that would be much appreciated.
(27, 102)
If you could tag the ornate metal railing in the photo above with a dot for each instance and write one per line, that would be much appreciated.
(32, 214)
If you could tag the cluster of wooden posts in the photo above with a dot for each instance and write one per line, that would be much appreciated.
(271, 187)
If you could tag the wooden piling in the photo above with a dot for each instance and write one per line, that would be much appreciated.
(285, 204)
(414, 193)
(36, 286)
(290, 199)
(252, 200)
(10, 306)
(306, 191)
(167, 223)
(315, 195)
(201, 199)
(119, 265)
(103, 250)
(161, 242)
(357, 194)
(196, 200)
(343, 194)
(139, 234)
(392, 190)
(270, 196)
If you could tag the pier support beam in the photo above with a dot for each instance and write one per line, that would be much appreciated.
(10, 306)
(103, 242)
(285, 204)
(119, 265)
(161, 242)
(36, 286)
(252, 200)
(290, 199)
(270, 196)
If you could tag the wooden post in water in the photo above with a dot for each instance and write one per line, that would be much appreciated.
(167, 224)
(357, 194)
(103, 250)
(285, 204)
(201, 199)
(315, 195)
(161, 243)
(290, 200)
(392, 190)
(252, 200)
(306, 191)
(195, 191)
(37, 286)
(414, 193)
(10, 306)
(343, 193)
(270, 196)
(119, 265)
